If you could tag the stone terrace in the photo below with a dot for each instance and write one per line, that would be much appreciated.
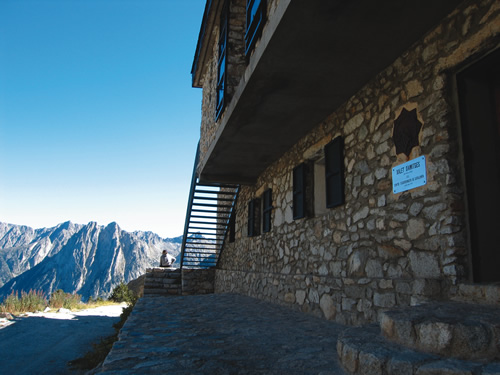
(235, 334)
(222, 334)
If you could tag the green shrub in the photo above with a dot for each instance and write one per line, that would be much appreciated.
(29, 302)
(122, 293)
(60, 299)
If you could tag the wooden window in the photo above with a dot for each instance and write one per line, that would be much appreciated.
(334, 172)
(255, 17)
(222, 61)
(299, 191)
(232, 227)
(254, 217)
(319, 188)
(266, 210)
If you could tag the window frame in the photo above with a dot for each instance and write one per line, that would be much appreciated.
(221, 89)
(232, 227)
(299, 191)
(254, 217)
(267, 207)
(334, 173)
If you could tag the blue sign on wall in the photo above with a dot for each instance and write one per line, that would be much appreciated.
(409, 175)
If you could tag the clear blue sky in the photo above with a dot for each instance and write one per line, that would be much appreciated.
(98, 119)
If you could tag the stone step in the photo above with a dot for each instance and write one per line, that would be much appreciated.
(164, 281)
(449, 329)
(162, 291)
(488, 294)
(364, 350)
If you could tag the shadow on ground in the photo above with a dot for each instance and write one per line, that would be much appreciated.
(42, 345)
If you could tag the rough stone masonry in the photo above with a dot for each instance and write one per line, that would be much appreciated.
(378, 250)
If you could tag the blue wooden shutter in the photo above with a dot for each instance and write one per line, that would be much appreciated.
(222, 62)
(255, 19)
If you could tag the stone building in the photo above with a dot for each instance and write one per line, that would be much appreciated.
(365, 140)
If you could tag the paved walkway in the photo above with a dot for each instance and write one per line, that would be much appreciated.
(222, 334)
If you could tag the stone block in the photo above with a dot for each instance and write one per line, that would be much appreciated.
(405, 363)
(426, 287)
(350, 358)
(374, 268)
(371, 364)
(434, 336)
(347, 304)
(327, 306)
(289, 298)
(385, 300)
(300, 296)
(424, 264)
(356, 263)
(415, 228)
(446, 367)
(470, 341)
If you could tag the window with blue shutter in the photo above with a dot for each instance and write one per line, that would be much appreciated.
(255, 17)
(334, 172)
(222, 61)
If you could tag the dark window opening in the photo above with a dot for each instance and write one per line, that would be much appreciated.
(299, 191)
(266, 210)
(255, 14)
(232, 227)
(334, 173)
(319, 187)
(254, 217)
(222, 64)
(479, 100)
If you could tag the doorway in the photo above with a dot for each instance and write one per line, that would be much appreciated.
(479, 101)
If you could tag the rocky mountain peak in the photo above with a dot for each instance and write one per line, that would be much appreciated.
(85, 259)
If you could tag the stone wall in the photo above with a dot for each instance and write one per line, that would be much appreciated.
(163, 281)
(197, 281)
(237, 66)
(379, 249)
(175, 281)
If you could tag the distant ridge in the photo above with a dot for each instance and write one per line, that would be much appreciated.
(86, 259)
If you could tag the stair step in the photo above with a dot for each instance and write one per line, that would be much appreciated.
(213, 203)
(364, 350)
(450, 329)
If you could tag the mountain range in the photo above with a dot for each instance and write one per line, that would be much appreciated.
(86, 259)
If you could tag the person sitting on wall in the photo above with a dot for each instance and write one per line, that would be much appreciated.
(166, 260)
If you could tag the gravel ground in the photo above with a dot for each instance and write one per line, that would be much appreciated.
(43, 343)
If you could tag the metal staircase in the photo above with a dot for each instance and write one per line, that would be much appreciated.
(208, 218)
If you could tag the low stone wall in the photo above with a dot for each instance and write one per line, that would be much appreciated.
(345, 300)
(197, 281)
(163, 281)
(176, 281)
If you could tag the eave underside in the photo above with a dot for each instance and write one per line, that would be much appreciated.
(319, 54)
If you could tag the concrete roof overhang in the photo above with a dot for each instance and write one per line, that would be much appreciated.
(312, 57)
